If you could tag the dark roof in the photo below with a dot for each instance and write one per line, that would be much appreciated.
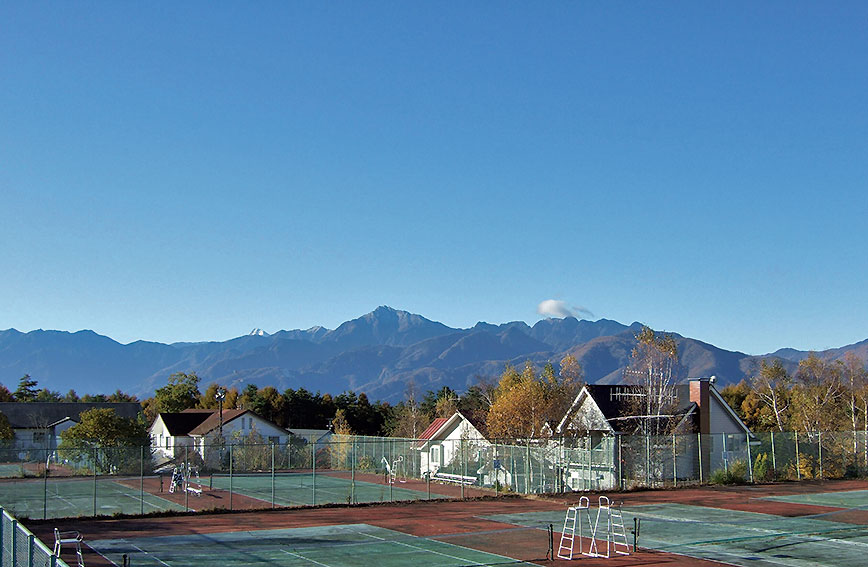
(34, 415)
(184, 422)
(612, 402)
(213, 420)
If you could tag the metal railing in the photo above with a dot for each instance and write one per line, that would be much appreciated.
(20, 548)
(92, 481)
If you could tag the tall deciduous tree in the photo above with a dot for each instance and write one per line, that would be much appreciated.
(816, 395)
(5, 394)
(6, 431)
(653, 371)
(182, 392)
(112, 441)
(772, 385)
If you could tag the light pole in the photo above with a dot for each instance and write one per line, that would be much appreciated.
(220, 395)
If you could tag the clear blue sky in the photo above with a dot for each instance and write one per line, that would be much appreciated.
(188, 172)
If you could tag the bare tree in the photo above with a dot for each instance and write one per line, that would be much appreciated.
(772, 386)
(653, 372)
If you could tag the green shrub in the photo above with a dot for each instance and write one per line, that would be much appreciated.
(736, 474)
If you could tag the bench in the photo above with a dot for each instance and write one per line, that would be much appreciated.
(456, 478)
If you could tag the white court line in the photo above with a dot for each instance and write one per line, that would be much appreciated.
(461, 559)
(305, 558)
(154, 556)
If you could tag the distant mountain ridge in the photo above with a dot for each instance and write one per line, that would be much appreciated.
(378, 353)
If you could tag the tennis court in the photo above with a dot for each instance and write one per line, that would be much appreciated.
(350, 545)
(300, 489)
(785, 525)
(70, 497)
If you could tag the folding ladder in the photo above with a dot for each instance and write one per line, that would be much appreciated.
(568, 534)
(619, 533)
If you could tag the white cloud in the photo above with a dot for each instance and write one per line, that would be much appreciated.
(559, 308)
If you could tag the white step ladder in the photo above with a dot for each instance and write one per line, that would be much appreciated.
(613, 523)
(619, 533)
(568, 534)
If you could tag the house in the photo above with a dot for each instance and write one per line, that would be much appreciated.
(173, 435)
(170, 432)
(317, 437)
(603, 420)
(453, 449)
(38, 425)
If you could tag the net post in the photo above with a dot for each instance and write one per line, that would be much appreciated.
(749, 457)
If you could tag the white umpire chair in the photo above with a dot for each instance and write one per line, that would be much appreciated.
(68, 538)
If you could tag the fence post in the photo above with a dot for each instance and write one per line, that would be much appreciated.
(31, 544)
(186, 478)
(231, 464)
(313, 465)
(647, 461)
(725, 455)
(774, 461)
(620, 464)
(674, 463)
(699, 448)
(13, 550)
(749, 457)
(142, 479)
(94, 481)
(272, 475)
(820, 450)
(464, 465)
(496, 470)
(353, 473)
(45, 494)
(798, 464)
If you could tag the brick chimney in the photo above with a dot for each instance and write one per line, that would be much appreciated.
(700, 393)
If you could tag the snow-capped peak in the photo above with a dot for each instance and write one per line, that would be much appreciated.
(258, 332)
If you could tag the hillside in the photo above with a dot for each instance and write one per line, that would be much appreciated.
(378, 353)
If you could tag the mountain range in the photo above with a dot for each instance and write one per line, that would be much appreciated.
(379, 353)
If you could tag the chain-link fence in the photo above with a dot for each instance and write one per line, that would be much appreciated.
(96, 481)
(20, 548)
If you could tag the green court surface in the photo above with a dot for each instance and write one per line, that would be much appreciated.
(294, 489)
(354, 545)
(848, 499)
(11, 470)
(737, 538)
(64, 498)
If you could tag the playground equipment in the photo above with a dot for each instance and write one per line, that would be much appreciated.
(608, 518)
(396, 470)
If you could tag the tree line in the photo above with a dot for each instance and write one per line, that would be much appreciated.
(820, 395)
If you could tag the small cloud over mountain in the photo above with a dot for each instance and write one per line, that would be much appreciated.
(559, 308)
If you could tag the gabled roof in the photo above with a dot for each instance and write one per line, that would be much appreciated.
(182, 423)
(213, 421)
(37, 415)
(611, 399)
(433, 428)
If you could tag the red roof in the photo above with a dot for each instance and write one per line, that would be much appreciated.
(433, 428)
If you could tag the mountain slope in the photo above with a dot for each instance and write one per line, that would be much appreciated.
(379, 353)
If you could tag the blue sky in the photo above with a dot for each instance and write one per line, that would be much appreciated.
(191, 172)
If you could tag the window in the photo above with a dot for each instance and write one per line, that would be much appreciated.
(435, 455)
